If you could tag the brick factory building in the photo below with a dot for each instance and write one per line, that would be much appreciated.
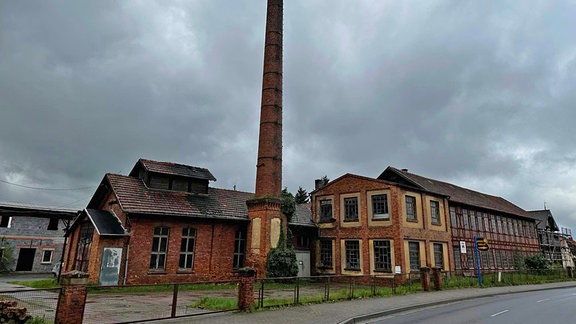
(164, 223)
(372, 226)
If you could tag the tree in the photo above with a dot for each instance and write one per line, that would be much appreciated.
(302, 196)
(6, 256)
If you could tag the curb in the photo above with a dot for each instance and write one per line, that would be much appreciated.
(366, 317)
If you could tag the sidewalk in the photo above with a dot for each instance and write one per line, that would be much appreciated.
(343, 312)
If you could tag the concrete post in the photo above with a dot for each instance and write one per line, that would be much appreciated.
(246, 288)
(425, 278)
(437, 278)
(570, 271)
(72, 299)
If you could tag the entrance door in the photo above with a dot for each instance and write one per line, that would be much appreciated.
(303, 259)
(25, 259)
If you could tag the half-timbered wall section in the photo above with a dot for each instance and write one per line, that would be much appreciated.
(508, 237)
(509, 229)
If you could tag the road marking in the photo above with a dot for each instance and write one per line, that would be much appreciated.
(500, 313)
(541, 300)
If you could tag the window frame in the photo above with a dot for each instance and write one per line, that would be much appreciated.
(324, 217)
(351, 209)
(438, 255)
(410, 256)
(382, 256)
(44, 251)
(326, 259)
(411, 217)
(187, 249)
(377, 205)
(353, 255)
(159, 250)
(435, 218)
(239, 256)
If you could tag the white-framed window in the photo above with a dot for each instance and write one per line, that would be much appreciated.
(47, 256)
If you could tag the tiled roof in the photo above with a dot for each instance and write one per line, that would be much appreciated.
(456, 193)
(176, 169)
(135, 197)
(303, 215)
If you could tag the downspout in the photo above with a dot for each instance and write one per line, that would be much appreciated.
(126, 262)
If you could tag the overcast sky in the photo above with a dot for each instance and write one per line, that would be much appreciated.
(477, 93)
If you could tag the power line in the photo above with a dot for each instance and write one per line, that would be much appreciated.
(49, 189)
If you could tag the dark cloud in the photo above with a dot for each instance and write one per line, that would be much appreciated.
(474, 93)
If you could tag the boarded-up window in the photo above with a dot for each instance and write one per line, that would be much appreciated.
(158, 182)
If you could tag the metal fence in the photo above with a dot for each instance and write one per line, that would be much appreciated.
(39, 303)
(140, 303)
(275, 292)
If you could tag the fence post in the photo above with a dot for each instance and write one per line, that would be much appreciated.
(72, 298)
(246, 288)
(425, 278)
(570, 272)
(174, 301)
(437, 275)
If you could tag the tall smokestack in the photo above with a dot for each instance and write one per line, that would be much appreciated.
(269, 167)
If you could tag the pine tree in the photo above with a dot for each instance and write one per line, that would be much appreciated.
(302, 196)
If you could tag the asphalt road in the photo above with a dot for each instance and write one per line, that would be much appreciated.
(549, 307)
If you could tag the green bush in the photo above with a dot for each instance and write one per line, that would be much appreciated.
(281, 263)
(536, 262)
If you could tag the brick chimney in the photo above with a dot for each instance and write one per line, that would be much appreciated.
(264, 210)
(269, 167)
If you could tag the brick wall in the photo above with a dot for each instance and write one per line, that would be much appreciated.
(213, 251)
(366, 229)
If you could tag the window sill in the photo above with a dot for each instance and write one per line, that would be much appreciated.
(325, 267)
(185, 271)
(157, 272)
(436, 224)
(412, 220)
(381, 219)
(327, 220)
(352, 269)
(351, 221)
(383, 270)
(45, 263)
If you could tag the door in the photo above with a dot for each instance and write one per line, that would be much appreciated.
(303, 260)
(25, 259)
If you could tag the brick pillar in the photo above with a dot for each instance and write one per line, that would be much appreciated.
(425, 278)
(72, 299)
(437, 278)
(246, 288)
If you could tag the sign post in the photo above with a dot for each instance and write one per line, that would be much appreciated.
(480, 243)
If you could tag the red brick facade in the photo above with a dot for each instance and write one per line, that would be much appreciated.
(367, 230)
